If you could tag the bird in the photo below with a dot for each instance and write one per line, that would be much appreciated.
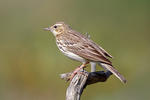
(80, 47)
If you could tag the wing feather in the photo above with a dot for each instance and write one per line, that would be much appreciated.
(84, 47)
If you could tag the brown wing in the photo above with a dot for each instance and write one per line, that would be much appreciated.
(84, 47)
(100, 49)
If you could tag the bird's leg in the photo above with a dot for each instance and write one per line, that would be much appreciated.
(77, 69)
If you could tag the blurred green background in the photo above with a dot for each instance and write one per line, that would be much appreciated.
(30, 62)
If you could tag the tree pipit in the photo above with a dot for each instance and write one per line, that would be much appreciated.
(81, 48)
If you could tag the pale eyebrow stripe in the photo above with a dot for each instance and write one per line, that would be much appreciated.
(58, 24)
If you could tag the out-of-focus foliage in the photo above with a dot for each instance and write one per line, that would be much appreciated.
(30, 62)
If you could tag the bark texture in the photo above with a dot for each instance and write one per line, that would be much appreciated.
(81, 80)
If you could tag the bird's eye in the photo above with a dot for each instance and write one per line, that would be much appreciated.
(55, 26)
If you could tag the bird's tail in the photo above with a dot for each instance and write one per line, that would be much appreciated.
(114, 71)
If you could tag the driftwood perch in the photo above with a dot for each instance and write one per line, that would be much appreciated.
(81, 80)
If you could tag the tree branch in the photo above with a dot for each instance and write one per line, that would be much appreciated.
(81, 80)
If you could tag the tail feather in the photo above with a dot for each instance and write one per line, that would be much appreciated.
(114, 71)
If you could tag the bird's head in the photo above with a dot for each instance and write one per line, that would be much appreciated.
(58, 28)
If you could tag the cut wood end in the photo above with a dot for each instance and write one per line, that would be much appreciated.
(65, 76)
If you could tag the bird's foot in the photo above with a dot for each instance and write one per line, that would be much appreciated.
(74, 73)
(77, 70)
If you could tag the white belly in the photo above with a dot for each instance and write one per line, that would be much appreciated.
(70, 54)
(74, 56)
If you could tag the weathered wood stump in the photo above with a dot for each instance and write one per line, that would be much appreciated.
(81, 80)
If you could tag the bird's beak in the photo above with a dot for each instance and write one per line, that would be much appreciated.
(47, 29)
